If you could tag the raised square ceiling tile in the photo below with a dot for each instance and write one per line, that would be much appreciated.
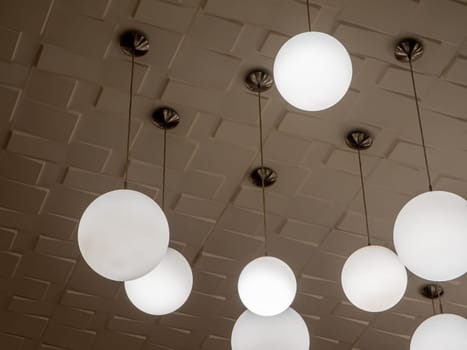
(25, 16)
(285, 148)
(338, 328)
(386, 16)
(198, 207)
(9, 39)
(457, 72)
(304, 232)
(382, 340)
(11, 342)
(68, 202)
(240, 220)
(82, 35)
(233, 245)
(343, 243)
(22, 325)
(165, 15)
(354, 222)
(447, 98)
(67, 337)
(398, 80)
(349, 311)
(279, 15)
(390, 322)
(8, 262)
(272, 43)
(314, 211)
(87, 157)
(90, 182)
(250, 198)
(238, 133)
(332, 185)
(214, 33)
(453, 15)
(50, 88)
(325, 266)
(45, 268)
(44, 121)
(57, 247)
(18, 168)
(204, 67)
(13, 194)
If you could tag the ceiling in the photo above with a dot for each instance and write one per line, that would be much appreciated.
(63, 107)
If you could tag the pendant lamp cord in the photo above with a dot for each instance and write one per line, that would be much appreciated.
(364, 196)
(164, 157)
(263, 173)
(127, 161)
(420, 125)
(308, 14)
(438, 291)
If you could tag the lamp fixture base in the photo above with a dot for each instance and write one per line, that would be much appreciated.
(359, 139)
(408, 49)
(431, 291)
(269, 175)
(259, 80)
(165, 118)
(134, 43)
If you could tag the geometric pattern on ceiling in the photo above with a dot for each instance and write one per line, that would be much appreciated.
(63, 115)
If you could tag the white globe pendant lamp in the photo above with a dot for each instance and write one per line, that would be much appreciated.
(430, 232)
(430, 235)
(164, 289)
(373, 278)
(267, 285)
(312, 70)
(286, 330)
(442, 331)
(123, 234)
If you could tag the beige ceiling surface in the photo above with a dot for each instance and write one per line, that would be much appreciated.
(63, 104)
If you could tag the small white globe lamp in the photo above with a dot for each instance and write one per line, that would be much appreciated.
(123, 234)
(267, 286)
(164, 289)
(430, 235)
(284, 331)
(374, 279)
(443, 331)
(312, 71)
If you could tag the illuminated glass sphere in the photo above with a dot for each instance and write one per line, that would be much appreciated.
(123, 234)
(164, 289)
(312, 71)
(443, 331)
(430, 235)
(374, 279)
(284, 331)
(267, 286)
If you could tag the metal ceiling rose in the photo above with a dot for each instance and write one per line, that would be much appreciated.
(359, 139)
(431, 291)
(408, 48)
(134, 43)
(259, 80)
(165, 118)
(270, 176)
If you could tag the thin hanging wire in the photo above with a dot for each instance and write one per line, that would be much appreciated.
(127, 162)
(164, 157)
(263, 173)
(420, 125)
(308, 14)
(364, 196)
(438, 292)
(433, 305)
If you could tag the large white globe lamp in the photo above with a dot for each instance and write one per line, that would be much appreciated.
(164, 289)
(443, 331)
(284, 331)
(123, 234)
(267, 286)
(312, 71)
(430, 235)
(374, 279)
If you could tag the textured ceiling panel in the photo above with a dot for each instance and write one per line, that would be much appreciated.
(63, 108)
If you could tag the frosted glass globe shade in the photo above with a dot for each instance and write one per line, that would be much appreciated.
(312, 71)
(443, 331)
(164, 289)
(374, 279)
(123, 234)
(284, 331)
(267, 286)
(430, 235)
